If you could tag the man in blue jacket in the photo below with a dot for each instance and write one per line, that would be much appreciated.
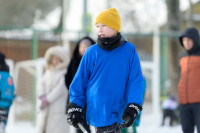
(109, 79)
(6, 92)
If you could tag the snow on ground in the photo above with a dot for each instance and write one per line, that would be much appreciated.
(22, 127)
(150, 123)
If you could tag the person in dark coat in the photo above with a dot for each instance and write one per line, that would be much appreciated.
(80, 49)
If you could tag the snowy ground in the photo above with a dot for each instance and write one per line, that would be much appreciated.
(147, 126)
(150, 123)
(21, 128)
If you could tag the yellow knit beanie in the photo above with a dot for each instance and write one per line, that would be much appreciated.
(111, 18)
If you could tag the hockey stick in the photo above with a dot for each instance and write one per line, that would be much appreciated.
(82, 128)
(123, 125)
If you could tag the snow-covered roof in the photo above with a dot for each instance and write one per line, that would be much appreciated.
(26, 34)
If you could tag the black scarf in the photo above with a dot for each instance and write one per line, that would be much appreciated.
(193, 50)
(4, 68)
(110, 43)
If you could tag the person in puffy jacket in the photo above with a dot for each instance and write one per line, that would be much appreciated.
(109, 80)
(6, 92)
(189, 85)
(52, 93)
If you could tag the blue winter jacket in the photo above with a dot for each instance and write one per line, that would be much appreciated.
(6, 90)
(107, 81)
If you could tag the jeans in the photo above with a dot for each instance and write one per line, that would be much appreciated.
(190, 117)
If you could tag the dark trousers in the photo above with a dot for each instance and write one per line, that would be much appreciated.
(190, 117)
(171, 114)
(114, 128)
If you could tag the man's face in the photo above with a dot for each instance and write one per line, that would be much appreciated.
(188, 43)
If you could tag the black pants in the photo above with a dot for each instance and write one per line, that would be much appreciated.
(171, 114)
(114, 128)
(190, 117)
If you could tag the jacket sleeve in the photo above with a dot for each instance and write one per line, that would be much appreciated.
(135, 89)
(57, 91)
(77, 89)
(6, 91)
(41, 87)
(12, 96)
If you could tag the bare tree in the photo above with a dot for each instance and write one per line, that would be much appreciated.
(127, 12)
(190, 14)
(21, 12)
(174, 23)
(139, 15)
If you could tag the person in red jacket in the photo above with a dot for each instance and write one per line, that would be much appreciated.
(189, 84)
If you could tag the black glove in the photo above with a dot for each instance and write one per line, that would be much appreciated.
(130, 114)
(74, 114)
(3, 114)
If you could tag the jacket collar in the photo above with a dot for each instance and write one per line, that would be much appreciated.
(110, 43)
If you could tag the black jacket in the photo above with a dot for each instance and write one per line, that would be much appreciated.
(74, 63)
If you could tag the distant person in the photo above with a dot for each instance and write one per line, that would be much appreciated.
(80, 49)
(189, 83)
(109, 80)
(6, 92)
(52, 93)
(169, 107)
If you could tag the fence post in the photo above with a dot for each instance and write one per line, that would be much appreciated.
(34, 55)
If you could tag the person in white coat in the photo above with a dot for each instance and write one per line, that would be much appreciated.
(52, 93)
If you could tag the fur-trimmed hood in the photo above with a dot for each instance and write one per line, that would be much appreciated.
(60, 52)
